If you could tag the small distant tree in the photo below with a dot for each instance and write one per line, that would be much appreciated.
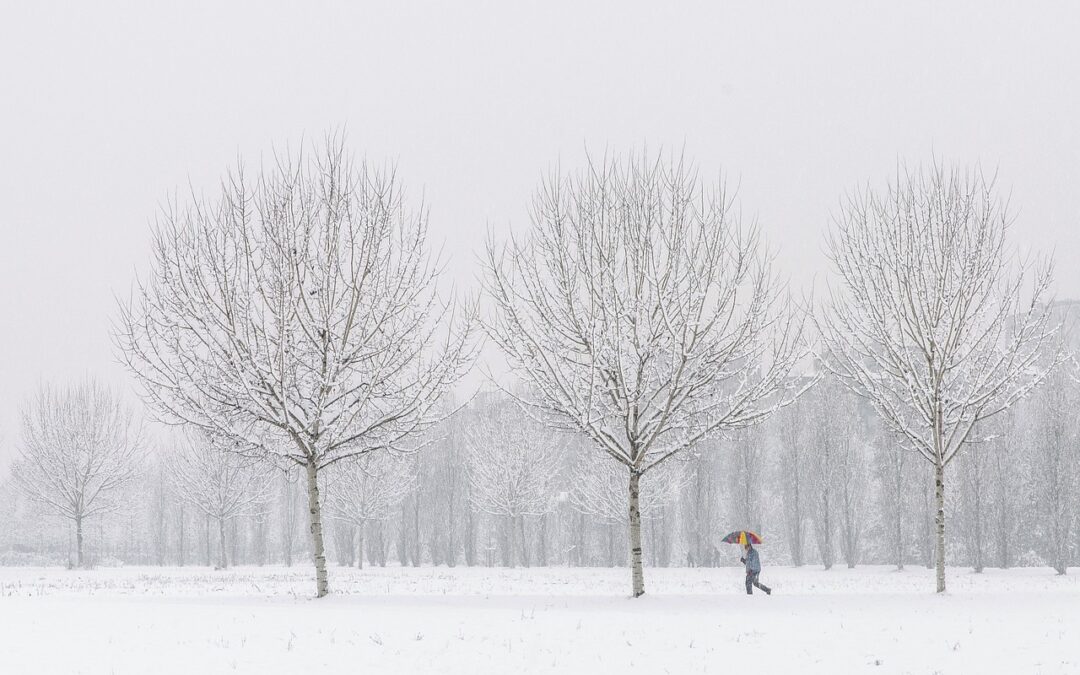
(297, 314)
(833, 431)
(895, 498)
(289, 514)
(80, 447)
(928, 322)
(745, 452)
(513, 469)
(699, 503)
(1055, 463)
(219, 481)
(1008, 464)
(795, 455)
(974, 466)
(852, 492)
(642, 315)
(369, 489)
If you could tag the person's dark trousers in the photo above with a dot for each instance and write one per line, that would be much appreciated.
(752, 580)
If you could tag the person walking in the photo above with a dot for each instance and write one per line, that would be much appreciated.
(753, 569)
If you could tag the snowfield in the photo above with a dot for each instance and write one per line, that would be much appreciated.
(482, 620)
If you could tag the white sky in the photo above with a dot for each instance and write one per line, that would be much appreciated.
(105, 110)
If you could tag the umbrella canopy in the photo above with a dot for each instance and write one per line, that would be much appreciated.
(741, 537)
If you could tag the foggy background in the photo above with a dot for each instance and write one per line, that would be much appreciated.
(104, 113)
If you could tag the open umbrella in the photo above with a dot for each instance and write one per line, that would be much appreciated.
(741, 537)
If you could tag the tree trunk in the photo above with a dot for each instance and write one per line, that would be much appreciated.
(899, 541)
(223, 562)
(360, 546)
(939, 518)
(541, 556)
(322, 586)
(470, 537)
(1003, 530)
(288, 521)
(524, 541)
(403, 535)
(897, 483)
(826, 534)
(978, 526)
(261, 536)
(207, 529)
(180, 548)
(582, 558)
(451, 545)
(507, 544)
(416, 551)
(78, 542)
(234, 552)
(610, 528)
(380, 544)
(637, 575)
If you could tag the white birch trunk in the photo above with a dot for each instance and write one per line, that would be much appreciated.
(315, 517)
(78, 542)
(223, 561)
(939, 522)
(637, 573)
(360, 546)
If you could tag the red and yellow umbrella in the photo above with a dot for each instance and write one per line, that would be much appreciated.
(741, 537)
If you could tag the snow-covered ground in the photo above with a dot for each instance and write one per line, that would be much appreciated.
(439, 620)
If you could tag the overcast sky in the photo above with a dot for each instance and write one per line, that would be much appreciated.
(105, 110)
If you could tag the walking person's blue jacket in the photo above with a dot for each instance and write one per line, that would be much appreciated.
(753, 563)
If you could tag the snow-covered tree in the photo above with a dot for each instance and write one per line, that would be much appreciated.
(80, 447)
(853, 480)
(1055, 463)
(795, 454)
(1008, 466)
(833, 432)
(974, 467)
(289, 514)
(218, 480)
(297, 314)
(369, 488)
(641, 314)
(746, 452)
(927, 321)
(894, 498)
(513, 468)
(451, 513)
(705, 483)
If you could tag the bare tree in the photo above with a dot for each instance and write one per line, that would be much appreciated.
(833, 432)
(513, 468)
(746, 454)
(1056, 470)
(642, 315)
(369, 488)
(451, 512)
(705, 482)
(974, 467)
(218, 480)
(297, 314)
(795, 455)
(926, 323)
(892, 469)
(80, 446)
(852, 488)
(289, 515)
